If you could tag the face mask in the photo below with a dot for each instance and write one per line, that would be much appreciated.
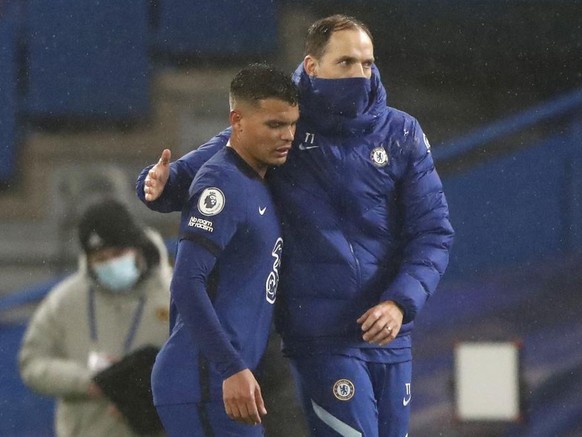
(118, 274)
(347, 97)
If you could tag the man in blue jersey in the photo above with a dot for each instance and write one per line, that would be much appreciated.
(367, 235)
(227, 269)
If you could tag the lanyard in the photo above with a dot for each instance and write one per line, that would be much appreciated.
(132, 329)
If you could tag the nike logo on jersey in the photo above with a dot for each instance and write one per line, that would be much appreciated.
(406, 401)
(262, 210)
(302, 146)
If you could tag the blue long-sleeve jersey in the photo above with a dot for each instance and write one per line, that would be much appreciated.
(364, 220)
(224, 285)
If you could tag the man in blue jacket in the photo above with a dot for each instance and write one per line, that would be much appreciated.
(366, 229)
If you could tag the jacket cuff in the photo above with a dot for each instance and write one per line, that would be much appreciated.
(409, 295)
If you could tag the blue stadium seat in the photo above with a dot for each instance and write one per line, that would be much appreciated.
(87, 59)
(504, 216)
(9, 20)
(217, 28)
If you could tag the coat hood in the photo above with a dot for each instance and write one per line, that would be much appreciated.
(154, 251)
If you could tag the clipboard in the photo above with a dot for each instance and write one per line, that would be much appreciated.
(127, 384)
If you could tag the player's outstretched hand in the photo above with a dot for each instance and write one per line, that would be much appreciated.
(242, 397)
(157, 177)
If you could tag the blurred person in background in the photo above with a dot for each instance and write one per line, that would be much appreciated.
(115, 303)
(366, 229)
(227, 269)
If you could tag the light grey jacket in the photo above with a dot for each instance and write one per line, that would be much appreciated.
(54, 354)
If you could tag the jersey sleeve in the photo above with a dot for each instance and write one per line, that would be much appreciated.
(213, 218)
(427, 230)
(182, 172)
(190, 295)
(215, 209)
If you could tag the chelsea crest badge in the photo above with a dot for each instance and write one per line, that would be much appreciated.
(379, 156)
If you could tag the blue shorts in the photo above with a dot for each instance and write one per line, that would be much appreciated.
(205, 419)
(349, 397)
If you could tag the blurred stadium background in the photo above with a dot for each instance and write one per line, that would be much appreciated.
(91, 91)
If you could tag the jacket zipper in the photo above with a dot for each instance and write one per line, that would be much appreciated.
(357, 263)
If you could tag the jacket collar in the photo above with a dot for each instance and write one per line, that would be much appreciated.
(338, 125)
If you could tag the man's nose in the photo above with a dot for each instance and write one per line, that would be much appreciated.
(289, 133)
(358, 70)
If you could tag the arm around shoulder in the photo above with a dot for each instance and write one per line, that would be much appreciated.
(163, 186)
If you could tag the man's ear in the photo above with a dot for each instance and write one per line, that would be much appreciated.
(235, 118)
(310, 65)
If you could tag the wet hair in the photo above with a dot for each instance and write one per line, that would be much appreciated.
(262, 81)
(320, 32)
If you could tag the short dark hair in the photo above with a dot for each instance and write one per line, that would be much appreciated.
(320, 32)
(262, 81)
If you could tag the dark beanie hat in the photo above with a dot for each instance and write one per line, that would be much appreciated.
(108, 223)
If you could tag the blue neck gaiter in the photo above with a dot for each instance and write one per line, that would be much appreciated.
(345, 97)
